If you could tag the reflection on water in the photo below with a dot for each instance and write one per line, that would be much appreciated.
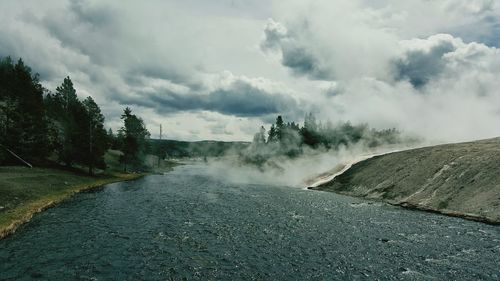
(186, 224)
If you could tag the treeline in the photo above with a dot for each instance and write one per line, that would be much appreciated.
(290, 139)
(197, 149)
(37, 124)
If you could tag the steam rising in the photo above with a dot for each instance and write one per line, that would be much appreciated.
(298, 172)
(433, 83)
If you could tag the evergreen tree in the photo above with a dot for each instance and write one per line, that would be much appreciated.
(69, 115)
(292, 138)
(78, 126)
(294, 127)
(23, 123)
(66, 94)
(77, 134)
(134, 139)
(309, 132)
(272, 136)
(280, 128)
(97, 136)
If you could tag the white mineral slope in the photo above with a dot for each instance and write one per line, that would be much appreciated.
(340, 169)
(460, 179)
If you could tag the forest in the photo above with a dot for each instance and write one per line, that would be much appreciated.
(43, 127)
(291, 140)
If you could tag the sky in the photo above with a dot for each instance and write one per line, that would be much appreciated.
(219, 69)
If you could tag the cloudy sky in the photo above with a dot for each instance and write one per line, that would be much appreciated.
(218, 69)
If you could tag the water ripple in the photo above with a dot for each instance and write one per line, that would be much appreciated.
(187, 224)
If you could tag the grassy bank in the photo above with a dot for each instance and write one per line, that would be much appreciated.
(24, 191)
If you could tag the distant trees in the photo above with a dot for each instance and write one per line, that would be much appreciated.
(289, 139)
(133, 138)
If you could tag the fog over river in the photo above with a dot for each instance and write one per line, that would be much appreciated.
(189, 224)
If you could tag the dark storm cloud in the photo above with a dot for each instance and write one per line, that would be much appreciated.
(419, 66)
(297, 57)
(243, 99)
(240, 99)
(302, 62)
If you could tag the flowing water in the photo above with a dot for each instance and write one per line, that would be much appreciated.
(187, 225)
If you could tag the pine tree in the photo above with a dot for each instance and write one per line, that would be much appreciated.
(69, 115)
(72, 124)
(22, 113)
(66, 94)
(134, 139)
(97, 136)
(272, 136)
(280, 128)
(309, 132)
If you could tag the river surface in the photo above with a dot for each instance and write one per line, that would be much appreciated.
(187, 225)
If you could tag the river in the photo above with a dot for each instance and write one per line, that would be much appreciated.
(189, 225)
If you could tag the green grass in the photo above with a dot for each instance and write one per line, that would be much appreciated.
(25, 191)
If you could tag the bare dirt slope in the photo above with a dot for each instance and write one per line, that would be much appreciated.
(458, 179)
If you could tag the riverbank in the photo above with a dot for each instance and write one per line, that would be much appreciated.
(25, 192)
(328, 176)
(461, 180)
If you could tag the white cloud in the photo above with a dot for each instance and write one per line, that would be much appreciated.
(329, 40)
(208, 70)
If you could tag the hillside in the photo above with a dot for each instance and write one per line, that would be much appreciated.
(456, 179)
